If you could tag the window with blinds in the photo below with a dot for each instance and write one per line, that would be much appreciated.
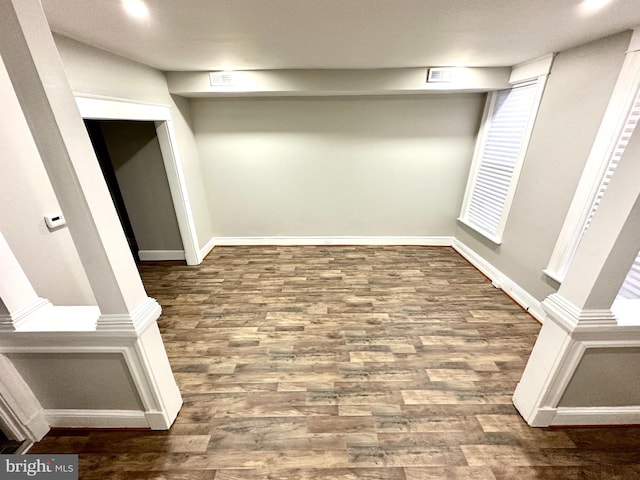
(619, 122)
(505, 134)
(631, 286)
(621, 144)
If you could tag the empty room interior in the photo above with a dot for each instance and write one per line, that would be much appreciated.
(331, 239)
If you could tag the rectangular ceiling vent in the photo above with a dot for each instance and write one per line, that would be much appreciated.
(440, 75)
(221, 79)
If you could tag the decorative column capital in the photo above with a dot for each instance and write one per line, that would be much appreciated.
(134, 322)
(571, 318)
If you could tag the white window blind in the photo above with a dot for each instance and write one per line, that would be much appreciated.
(631, 286)
(629, 126)
(508, 127)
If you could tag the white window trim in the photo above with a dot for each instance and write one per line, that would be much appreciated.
(496, 238)
(622, 98)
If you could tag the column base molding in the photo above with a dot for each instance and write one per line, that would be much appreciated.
(81, 418)
(573, 318)
(585, 416)
(146, 363)
(568, 332)
(13, 321)
(135, 322)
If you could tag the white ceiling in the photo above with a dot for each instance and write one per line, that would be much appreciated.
(276, 34)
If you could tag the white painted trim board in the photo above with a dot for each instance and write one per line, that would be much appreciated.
(579, 416)
(433, 241)
(501, 281)
(160, 255)
(76, 418)
(206, 249)
(109, 108)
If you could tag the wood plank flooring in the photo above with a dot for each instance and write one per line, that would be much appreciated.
(390, 363)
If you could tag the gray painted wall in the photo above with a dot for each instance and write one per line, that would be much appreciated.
(336, 166)
(574, 101)
(94, 71)
(78, 380)
(137, 160)
(49, 259)
(381, 166)
(605, 377)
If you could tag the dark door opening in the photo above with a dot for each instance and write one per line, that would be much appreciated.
(94, 128)
(133, 166)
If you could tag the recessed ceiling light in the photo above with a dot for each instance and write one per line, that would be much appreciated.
(135, 8)
(590, 6)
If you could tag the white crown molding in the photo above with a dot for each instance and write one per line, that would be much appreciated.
(431, 241)
(135, 322)
(501, 281)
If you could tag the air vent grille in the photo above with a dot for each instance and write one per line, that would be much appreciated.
(440, 75)
(221, 79)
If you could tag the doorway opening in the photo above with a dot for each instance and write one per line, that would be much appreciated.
(106, 108)
(131, 161)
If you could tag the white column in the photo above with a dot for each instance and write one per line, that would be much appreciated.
(579, 315)
(19, 302)
(127, 314)
(20, 410)
(38, 77)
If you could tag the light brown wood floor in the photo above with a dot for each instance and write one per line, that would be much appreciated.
(344, 363)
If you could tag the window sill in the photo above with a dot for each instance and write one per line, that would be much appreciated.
(627, 312)
(492, 238)
(555, 276)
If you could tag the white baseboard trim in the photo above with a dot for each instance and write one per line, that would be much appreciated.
(160, 255)
(501, 281)
(435, 241)
(570, 416)
(204, 251)
(158, 420)
(71, 418)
